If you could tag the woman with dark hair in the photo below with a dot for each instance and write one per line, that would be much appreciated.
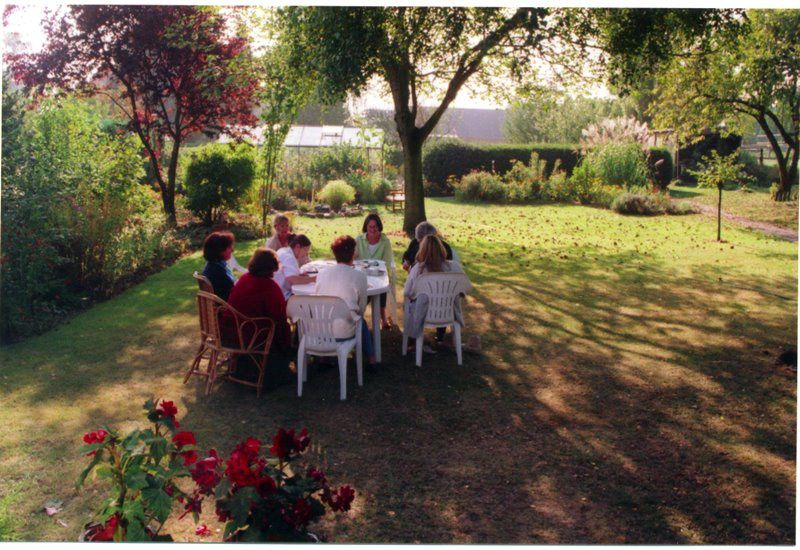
(217, 250)
(291, 257)
(372, 244)
(256, 294)
(344, 282)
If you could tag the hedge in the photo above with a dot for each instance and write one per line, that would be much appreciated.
(452, 157)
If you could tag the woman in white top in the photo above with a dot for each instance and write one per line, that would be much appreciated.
(291, 257)
(343, 281)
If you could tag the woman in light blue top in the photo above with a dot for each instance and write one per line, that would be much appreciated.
(372, 244)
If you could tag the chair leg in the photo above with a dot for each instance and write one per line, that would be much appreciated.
(342, 374)
(305, 367)
(359, 359)
(262, 369)
(196, 363)
(419, 343)
(301, 367)
(212, 371)
(457, 339)
(405, 343)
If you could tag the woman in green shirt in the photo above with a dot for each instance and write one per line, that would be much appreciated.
(372, 244)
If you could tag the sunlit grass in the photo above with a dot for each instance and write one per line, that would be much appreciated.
(753, 204)
(626, 392)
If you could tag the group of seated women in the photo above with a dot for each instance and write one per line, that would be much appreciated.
(266, 285)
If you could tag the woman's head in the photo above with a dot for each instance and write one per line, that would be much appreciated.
(218, 246)
(299, 245)
(373, 226)
(281, 224)
(264, 263)
(344, 248)
(431, 253)
(424, 229)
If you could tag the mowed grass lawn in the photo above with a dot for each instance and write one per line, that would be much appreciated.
(627, 391)
(754, 204)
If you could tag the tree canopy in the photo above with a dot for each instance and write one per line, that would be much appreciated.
(171, 70)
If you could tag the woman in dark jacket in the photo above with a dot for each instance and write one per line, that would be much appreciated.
(217, 250)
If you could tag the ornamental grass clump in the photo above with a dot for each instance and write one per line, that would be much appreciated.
(336, 193)
(143, 467)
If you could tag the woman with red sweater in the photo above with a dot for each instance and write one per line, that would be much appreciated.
(256, 294)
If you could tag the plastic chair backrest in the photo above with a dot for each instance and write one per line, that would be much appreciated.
(317, 317)
(442, 290)
(203, 282)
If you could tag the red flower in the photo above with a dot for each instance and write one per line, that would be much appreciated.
(202, 530)
(340, 499)
(189, 457)
(169, 490)
(285, 443)
(299, 514)
(205, 473)
(222, 515)
(252, 445)
(181, 439)
(94, 437)
(193, 504)
(167, 409)
(265, 486)
(317, 475)
(107, 532)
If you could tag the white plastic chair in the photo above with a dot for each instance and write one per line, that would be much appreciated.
(320, 321)
(442, 289)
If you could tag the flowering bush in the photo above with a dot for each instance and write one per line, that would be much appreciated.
(143, 467)
(262, 498)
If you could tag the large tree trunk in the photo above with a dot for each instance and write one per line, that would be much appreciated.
(786, 169)
(414, 189)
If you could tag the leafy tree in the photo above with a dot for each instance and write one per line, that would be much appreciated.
(545, 116)
(751, 74)
(171, 70)
(218, 176)
(415, 51)
(717, 170)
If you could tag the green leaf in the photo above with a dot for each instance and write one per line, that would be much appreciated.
(222, 488)
(95, 460)
(136, 479)
(230, 528)
(157, 501)
(158, 448)
(240, 504)
(135, 532)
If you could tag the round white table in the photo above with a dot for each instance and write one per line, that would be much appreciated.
(377, 284)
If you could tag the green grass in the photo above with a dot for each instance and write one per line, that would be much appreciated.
(754, 205)
(627, 391)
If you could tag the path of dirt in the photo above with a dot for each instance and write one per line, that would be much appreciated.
(764, 227)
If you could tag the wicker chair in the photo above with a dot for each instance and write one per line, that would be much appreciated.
(204, 351)
(253, 338)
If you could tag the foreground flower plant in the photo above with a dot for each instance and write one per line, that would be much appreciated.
(143, 467)
(260, 498)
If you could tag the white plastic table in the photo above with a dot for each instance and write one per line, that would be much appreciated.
(376, 285)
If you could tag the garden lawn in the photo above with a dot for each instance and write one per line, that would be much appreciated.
(754, 205)
(627, 391)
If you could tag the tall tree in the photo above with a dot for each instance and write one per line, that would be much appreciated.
(415, 51)
(171, 70)
(751, 74)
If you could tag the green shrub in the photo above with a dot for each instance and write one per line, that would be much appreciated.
(370, 188)
(480, 186)
(218, 177)
(622, 164)
(332, 163)
(336, 193)
(650, 204)
(662, 173)
(763, 175)
(452, 157)
(282, 199)
(74, 213)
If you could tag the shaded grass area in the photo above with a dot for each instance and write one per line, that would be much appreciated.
(627, 390)
(755, 204)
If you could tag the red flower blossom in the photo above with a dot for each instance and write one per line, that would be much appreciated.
(222, 515)
(202, 530)
(189, 457)
(317, 475)
(265, 486)
(169, 490)
(94, 437)
(167, 409)
(107, 532)
(285, 443)
(181, 439)
(205, 473)
(340, 499)
(298, 515)
(252, 445)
